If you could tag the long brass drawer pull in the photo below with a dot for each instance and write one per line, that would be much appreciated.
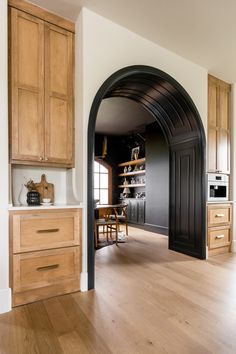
(47, 231)
(52, 266)
(219, 236)
(219, 215)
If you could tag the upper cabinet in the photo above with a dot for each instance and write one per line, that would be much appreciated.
(218, 125)
(41, 97)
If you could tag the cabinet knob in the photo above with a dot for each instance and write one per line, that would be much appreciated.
(40, 158)
(46, 158)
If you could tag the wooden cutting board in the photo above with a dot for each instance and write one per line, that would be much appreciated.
(45, 189)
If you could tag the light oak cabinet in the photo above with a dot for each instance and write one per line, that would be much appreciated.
(41, 98)
(218, 125)
(219, 221)
(45, 253)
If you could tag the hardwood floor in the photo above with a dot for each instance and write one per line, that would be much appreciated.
(147, 300)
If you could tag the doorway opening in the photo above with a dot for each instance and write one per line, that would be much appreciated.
(181, 124)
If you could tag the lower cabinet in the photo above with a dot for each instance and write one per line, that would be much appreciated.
(45, 253)
(135, 210)
(219, 221)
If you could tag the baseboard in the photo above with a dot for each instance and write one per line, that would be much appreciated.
(5, 300)
(84, 281)
(233, 246)
(163, 230)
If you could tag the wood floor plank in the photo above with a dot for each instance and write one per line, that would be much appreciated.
(47, 341)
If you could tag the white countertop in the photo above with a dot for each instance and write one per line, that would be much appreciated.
(43, 207)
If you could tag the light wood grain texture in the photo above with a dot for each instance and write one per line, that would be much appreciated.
(42, 14)
(40, 231)
(45, 255)
(219, 220)
(42, 92)
(218, 125)
(133, 162)
(40, 269)
(58, 95)
(27, 87)
(45, 189)
(219, 214)
(148, 299)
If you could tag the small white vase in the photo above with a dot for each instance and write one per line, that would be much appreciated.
(23, 195)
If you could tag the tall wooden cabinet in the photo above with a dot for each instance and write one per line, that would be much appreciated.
(41, 97)
(218, 125)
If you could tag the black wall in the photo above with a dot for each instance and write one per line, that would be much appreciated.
(118, 150)
(157, 179)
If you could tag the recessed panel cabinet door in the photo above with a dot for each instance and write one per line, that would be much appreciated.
(218, 125)
(212, 127)
(223, 151)
(58, 95)
(27, 87)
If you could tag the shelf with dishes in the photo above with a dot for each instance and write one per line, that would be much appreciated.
(133, 162)
(133, 173)
(132, 185)
(133, 177)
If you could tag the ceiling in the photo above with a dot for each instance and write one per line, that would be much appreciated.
(121, 116)
(202, 31)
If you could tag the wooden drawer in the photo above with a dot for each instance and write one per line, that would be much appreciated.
(45, 268)
(219, 237)
(45, 230)
(219, 215)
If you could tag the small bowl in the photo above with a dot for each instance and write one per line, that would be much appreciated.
(46, 200)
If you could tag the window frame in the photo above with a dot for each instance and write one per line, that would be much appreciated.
(109, 168)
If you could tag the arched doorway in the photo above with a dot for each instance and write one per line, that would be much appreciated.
(179, 119)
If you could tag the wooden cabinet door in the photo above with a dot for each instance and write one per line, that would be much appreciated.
(218, 125)
(141, 211)
(58, 95)
(27, 87)
(223, 141)
(212, 126)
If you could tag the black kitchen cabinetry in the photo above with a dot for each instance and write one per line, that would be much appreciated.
(135, 210)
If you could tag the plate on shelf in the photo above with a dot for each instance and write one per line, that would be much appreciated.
(46, 204)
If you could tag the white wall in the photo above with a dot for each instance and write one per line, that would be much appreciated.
(57, 176)
(5, 294)
(102, 48)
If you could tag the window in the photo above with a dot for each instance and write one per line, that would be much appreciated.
(102, 186)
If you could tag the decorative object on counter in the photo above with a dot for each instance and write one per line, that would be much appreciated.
(45, 189)
(125, 169)
(46, 202)
(135, 153)
(23, 195)
(141, 167)
(136, 168)
(33, 197)
(126, 192)
(129, 168)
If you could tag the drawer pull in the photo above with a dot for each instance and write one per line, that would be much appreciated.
(219, 215)
(47, 231)
(219, 236)
(52, 266)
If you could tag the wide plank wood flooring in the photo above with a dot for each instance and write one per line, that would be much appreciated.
(147, 300)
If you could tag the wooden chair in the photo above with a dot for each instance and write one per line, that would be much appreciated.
(121, 215)
(108, 223)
